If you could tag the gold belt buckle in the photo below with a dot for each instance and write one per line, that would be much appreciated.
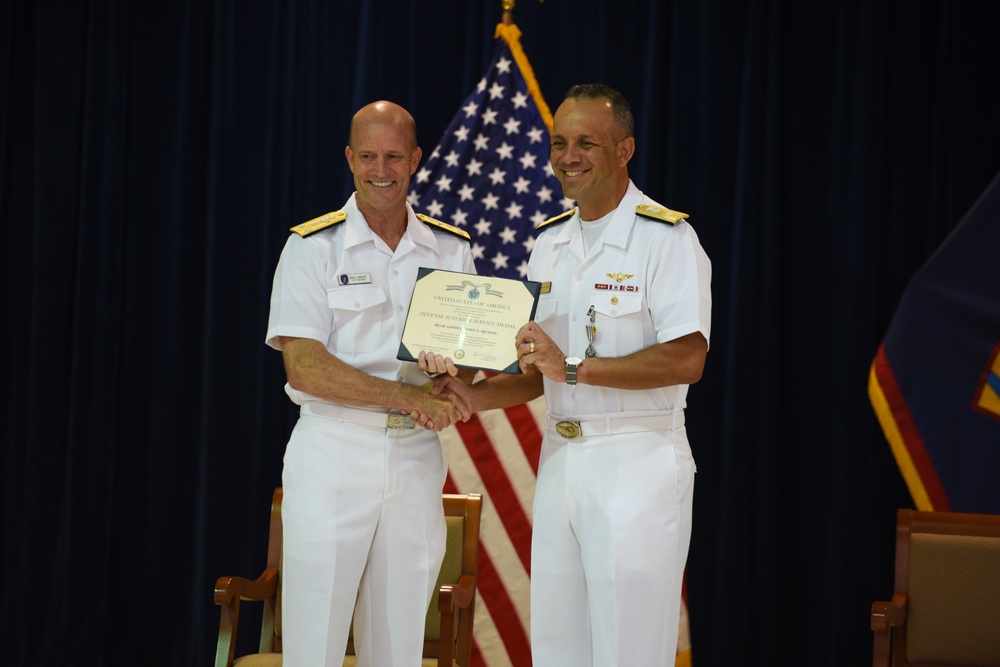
(399, 421)
(568, 430)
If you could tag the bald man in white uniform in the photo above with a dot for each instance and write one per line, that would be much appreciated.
(362, 514)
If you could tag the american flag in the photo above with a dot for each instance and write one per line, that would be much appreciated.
(490, 175)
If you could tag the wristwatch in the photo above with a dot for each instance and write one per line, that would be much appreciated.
(572, 363)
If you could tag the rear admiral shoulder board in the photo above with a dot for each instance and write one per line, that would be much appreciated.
(562, 217)
(444, 226)
(322, 222)
(660, 213)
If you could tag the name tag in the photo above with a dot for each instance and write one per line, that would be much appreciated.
(355, 278)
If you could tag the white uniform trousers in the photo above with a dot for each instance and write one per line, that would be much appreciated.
(612, 525)
(362, 521)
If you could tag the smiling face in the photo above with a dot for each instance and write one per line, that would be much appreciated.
(382, 155)
(590, 154)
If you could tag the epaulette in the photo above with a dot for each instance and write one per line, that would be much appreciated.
(660, 213)
(562, 217)
(316, 224)
(444, 226)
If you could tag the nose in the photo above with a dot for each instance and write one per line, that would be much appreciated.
(568, 155)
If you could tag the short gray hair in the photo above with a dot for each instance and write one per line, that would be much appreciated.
(619, 105)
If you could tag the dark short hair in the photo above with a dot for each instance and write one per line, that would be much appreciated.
(619, 105)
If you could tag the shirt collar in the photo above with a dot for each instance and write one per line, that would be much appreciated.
(359, 232)
(620, 227)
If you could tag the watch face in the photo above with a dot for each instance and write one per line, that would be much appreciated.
(574, 360)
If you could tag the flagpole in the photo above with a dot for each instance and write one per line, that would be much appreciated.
(511, 34)
(508, 11)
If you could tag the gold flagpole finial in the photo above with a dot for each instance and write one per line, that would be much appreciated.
(508, 9)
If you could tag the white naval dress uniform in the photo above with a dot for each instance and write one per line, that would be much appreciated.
(362, 513)
(612, 506)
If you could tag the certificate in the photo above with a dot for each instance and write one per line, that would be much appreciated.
(472, 319)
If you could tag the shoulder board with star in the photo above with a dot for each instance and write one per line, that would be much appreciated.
(322, 222)
(660, 213)
(562, 217)
(444, 226)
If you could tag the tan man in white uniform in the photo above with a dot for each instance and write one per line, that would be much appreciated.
(621, 330)
(362, 513)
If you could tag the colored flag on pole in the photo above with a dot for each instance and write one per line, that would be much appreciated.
(935, 380)
(490, 175)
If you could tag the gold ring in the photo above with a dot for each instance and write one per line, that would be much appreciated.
(531, 347)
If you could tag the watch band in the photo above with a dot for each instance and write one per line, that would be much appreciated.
(572, 364)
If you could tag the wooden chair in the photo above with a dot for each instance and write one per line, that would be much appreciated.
(448, 629)
(945, 610)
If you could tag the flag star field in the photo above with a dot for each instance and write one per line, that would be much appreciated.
(490, 173)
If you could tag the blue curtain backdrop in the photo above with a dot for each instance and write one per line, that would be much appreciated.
(153, 155)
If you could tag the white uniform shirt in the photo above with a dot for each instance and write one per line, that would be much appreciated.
(344, 287)
(648, 281)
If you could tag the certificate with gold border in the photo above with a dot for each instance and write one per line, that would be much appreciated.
(471, 319)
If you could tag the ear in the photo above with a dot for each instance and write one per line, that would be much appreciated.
(626, 149)
(349, 154)
(415, 160)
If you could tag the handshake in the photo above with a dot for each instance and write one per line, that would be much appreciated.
(452, 397)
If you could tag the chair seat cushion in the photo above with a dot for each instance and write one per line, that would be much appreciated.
(259, 660)
(274, 660)
(954, 600)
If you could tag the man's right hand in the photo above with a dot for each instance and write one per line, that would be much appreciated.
(440, 409)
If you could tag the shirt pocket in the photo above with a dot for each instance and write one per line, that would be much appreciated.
(619, 323)
(357, 313)
(545, 311)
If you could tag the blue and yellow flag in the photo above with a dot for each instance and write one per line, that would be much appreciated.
(935, 381)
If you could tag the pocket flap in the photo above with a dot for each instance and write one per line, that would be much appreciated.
(616, 304)
(355, 297)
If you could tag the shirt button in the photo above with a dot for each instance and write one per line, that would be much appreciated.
(395, 272)
(399, 308)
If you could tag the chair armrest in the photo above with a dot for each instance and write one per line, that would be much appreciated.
(451, 598)
(457, 595)
(228, 589)
(891, 614)
(885, 617)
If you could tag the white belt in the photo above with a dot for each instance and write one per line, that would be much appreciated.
(613, 424)
(356, 416)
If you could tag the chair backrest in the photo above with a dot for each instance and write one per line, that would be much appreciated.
(948, 566)
(462, 514)
(270, 626)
